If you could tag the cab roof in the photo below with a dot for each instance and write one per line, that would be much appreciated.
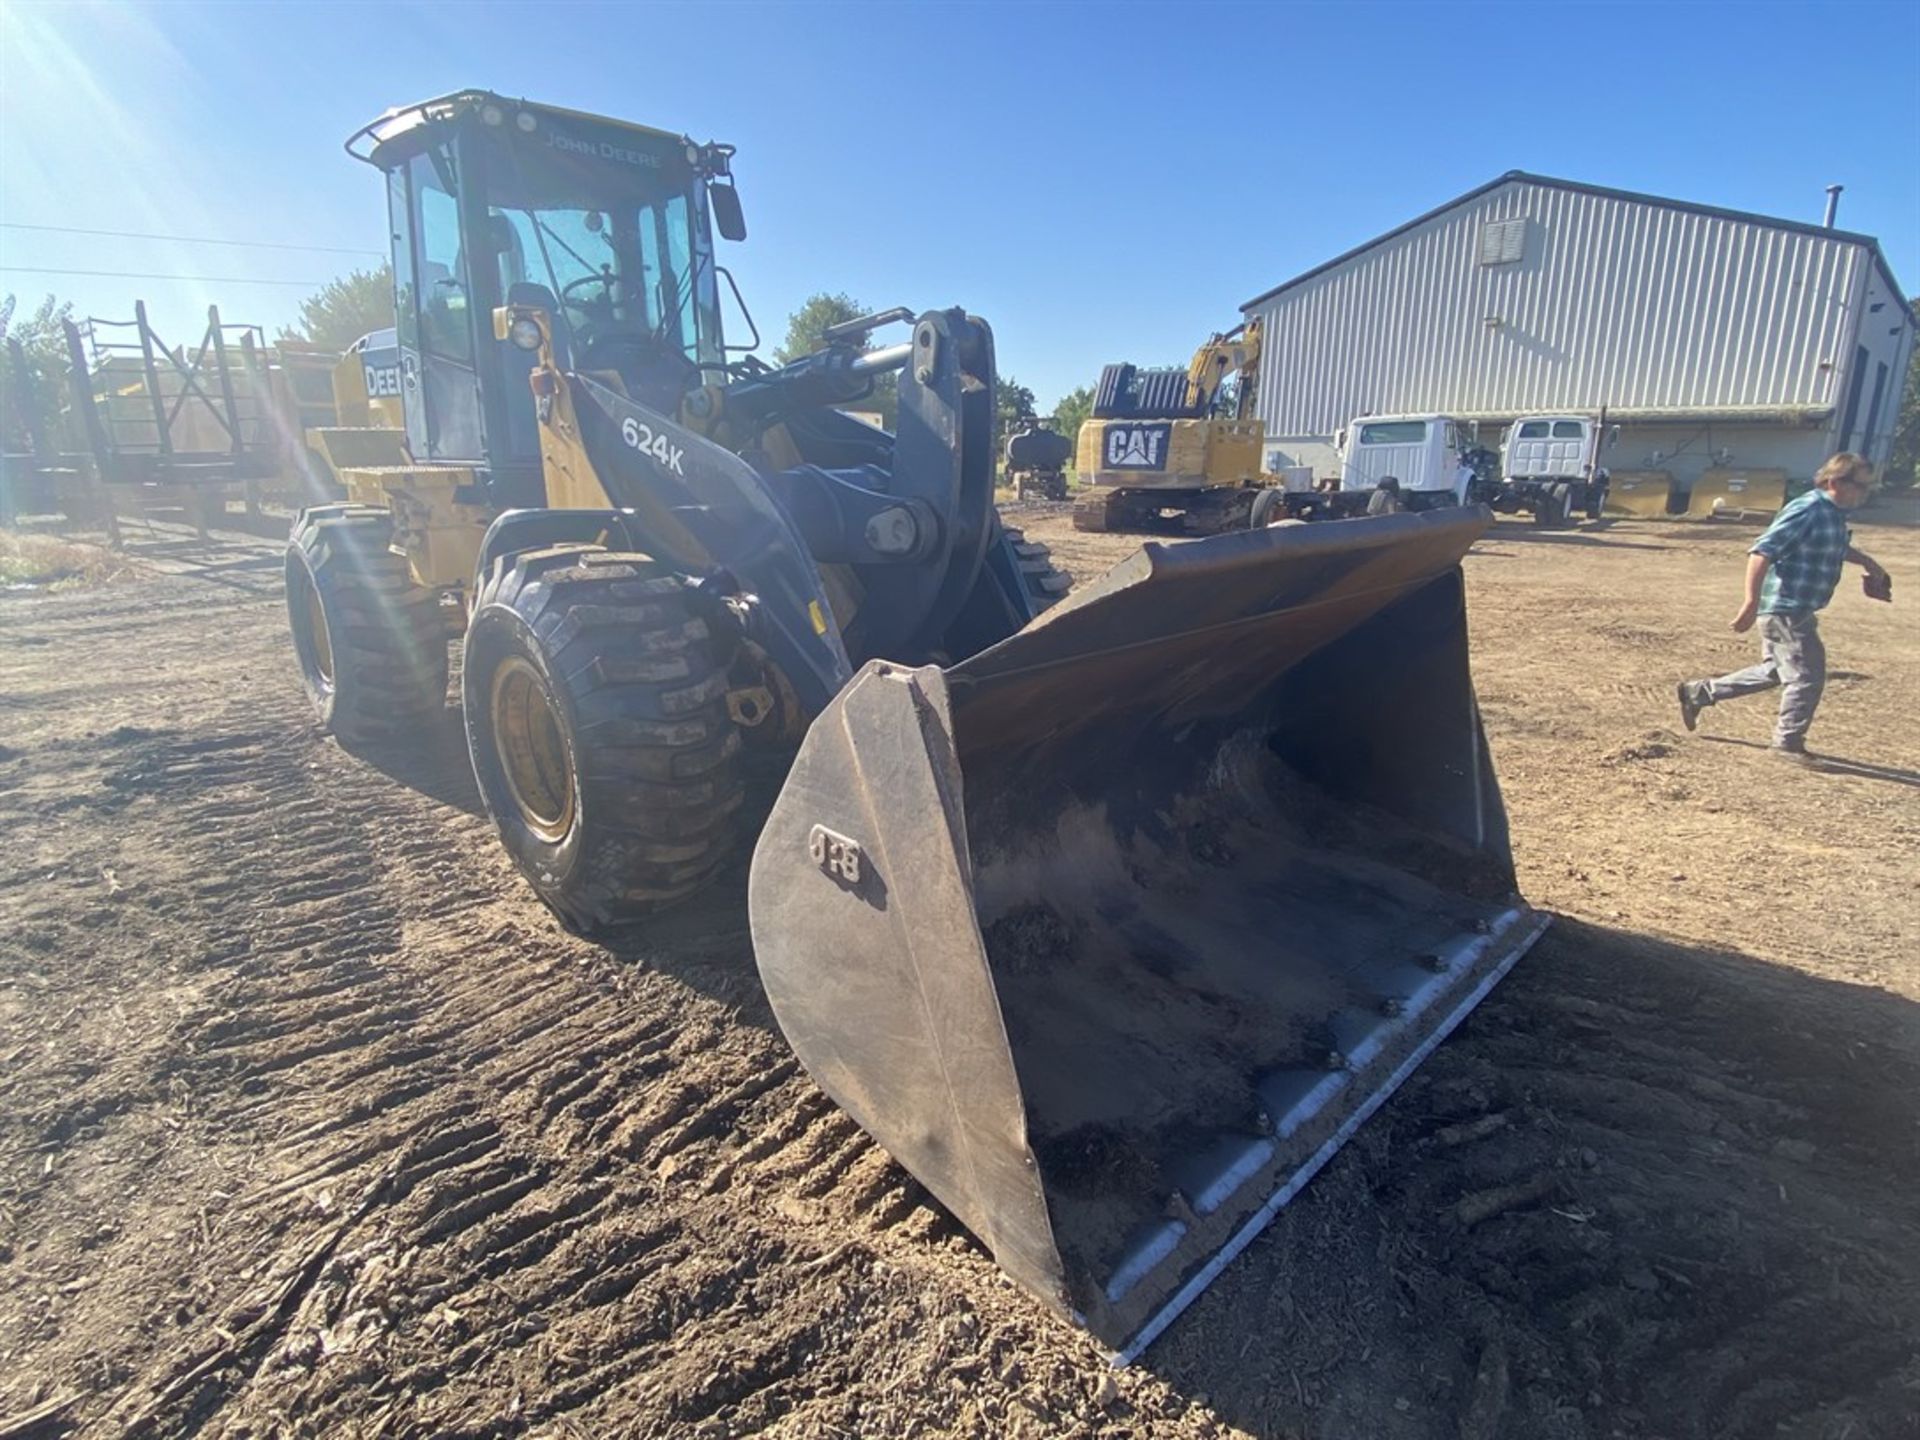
(403, 120)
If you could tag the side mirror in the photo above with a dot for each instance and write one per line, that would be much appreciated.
(727, 216)
(1613, 435)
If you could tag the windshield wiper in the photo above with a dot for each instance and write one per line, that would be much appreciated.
(540, 233)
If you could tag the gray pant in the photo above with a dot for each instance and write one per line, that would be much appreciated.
(1791, 655)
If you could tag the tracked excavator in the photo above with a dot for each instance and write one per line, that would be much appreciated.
(1171, 450)
(1110, 916)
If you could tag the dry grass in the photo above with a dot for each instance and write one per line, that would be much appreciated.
(53, 563)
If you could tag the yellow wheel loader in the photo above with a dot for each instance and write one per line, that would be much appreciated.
(1175, 450)
(1109, 918)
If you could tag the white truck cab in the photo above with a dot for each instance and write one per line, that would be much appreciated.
(1426, 453)
(1552, 447)
(1550, 465)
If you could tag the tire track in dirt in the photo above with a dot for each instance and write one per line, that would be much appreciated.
(538, 1111)
(574, 1149)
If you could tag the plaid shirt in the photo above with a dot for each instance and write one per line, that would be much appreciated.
(1807, 543)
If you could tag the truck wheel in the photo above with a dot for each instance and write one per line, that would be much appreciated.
(1550, 509)
(370, 643)
(596, 705)
(1596, 501)
(1045, 583)
(1269, 507)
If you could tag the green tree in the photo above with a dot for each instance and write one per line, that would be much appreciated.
(1073, 411)
(343, 310)
(1012, 403)
(1903, 459)
(40, 393)
(806, 333)
(807, 326)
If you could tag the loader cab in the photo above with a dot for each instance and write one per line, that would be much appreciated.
(603, 225)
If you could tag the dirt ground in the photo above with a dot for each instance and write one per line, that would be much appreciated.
(315, 1124)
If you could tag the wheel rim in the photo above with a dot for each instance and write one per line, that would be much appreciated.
(532, 748)
(312, 642)
(321, 639)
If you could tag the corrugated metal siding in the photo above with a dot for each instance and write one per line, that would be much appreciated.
(1615, 302)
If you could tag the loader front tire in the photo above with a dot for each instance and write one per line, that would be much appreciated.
(370, 643)
(595, 686)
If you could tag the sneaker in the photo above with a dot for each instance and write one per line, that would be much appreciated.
(1690, 707)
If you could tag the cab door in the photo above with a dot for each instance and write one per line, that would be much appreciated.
(434, 315)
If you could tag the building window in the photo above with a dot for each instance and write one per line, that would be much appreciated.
(1502, 241)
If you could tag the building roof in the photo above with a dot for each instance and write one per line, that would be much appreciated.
(1525, 177)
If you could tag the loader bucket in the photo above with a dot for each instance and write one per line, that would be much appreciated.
(1115, 932)
(1642, 494)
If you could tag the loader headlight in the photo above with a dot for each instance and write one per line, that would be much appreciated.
(526, 121)
(524, 333)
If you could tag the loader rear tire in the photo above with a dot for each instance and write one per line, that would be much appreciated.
(370, 643)
(1045, 583)
(596, 708)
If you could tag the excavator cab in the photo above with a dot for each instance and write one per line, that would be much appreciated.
(605, 227)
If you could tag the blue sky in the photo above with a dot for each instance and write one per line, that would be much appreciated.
(1101, 182)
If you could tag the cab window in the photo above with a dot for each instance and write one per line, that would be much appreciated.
(1568, 430)
(1394, 432)
(1534, 430)
(444, 323)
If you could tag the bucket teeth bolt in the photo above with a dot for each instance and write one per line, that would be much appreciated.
(1334, 1060)
(1433, 963)
(1393, 1007)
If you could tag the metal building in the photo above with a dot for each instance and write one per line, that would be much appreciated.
(1709, 336)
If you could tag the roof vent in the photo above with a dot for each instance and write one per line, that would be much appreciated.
(1502, 241)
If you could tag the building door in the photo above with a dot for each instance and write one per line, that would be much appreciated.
(1868, 440)
(1856, 382)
